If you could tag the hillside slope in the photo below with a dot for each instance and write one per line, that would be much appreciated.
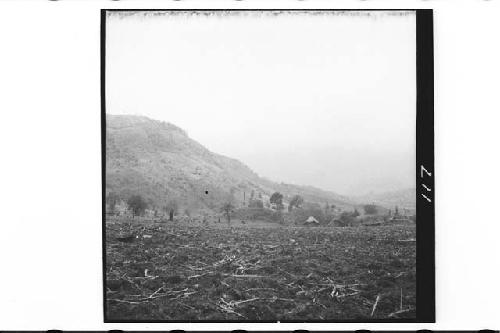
(159, 161)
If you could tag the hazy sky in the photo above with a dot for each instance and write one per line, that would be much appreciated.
(322, 100)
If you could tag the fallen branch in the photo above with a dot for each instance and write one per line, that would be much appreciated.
(273, 299)
(245, 301)
(394, 314)
(198, 275)
(375, 305)
(401, 300)
(347, 295)
(123, 301)
(231, 311)
(245, 276)
(156, 292)
(185, 305)
(155, 295)
(227, 307)
(252, 289)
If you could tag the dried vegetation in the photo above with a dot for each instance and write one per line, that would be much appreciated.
(173, 271)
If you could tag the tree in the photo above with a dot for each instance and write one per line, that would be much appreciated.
(370, 209)
(296, 201)
(277, 199)
(137, 204)
(355, 213)
(227, 208)
(171, 208)
(112, 199)
(346, 219)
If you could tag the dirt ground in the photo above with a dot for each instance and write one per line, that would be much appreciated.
(258, 271)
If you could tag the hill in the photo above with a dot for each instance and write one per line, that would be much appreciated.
(159, 161)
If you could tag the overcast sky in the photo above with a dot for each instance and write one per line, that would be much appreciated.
(322, 100)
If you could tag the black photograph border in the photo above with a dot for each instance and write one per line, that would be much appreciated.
(425, 225)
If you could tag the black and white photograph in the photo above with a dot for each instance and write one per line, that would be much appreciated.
(257, 166)
(262, 165)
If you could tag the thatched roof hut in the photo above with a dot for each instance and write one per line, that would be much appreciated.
(311, 221)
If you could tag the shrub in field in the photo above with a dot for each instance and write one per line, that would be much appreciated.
(226, 209)
(347, 218)
(370, 209)
(112, 199)
(277, 199)
(296, 201)
(171, 208)
(137, 205)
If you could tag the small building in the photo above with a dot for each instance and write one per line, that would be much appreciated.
(311, 221)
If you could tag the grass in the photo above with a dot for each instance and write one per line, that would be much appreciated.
(258, 271)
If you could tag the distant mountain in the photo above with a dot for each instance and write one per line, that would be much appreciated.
(159, 161)
(405, 199)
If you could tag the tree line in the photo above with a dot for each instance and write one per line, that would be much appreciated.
(137, 205)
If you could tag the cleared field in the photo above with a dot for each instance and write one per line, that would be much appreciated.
(256, 272)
